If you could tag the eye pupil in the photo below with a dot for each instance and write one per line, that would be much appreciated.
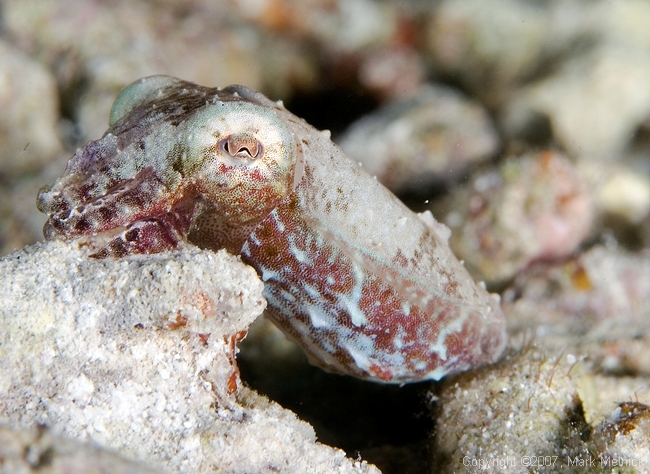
(241, 146)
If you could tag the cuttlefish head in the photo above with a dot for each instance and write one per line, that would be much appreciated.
(178, 160)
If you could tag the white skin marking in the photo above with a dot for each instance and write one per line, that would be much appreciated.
(455, 325)
(312, 291)
(270, 275)
(303, 329)
(360, 349)
(420, 365)
(328, 346)
(288, 296)
(399, 338)
(254, 239)
(300, 255)
(352, 302)
(365, 354)
(279, 224)
(319, 319)
(330, 280)
(441, 371)
(395, 360)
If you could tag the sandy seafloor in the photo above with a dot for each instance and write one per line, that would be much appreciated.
(522, 126)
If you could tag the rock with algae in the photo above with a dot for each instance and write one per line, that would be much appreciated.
(576, 399)
(137, 355)
(596, 302)
(533, 207)
(604, 286)
(527, 414)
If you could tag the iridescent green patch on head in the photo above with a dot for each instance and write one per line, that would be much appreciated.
(140, 92)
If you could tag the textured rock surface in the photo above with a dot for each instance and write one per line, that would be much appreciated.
(38, 451)
(137, 355)
(422, 141)
(527, 414)
(514, 410)
(28, 123)
(533, 207)
(596, 301)
(577, 395)
(490, 46)
(607, 83)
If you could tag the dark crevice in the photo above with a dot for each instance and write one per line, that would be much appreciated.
(387, 425)
(332, 107)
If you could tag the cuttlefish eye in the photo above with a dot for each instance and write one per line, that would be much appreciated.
(241, 145)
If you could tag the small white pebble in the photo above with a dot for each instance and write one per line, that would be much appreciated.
(164, 373)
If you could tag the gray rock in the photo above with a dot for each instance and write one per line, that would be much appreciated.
(137, 355)
(37, 451)
(594, 102)
(29, 104)
(424, 140)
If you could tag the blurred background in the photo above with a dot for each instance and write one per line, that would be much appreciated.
(424, 93)
(524, 126)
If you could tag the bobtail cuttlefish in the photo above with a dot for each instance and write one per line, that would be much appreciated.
(367, 287)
